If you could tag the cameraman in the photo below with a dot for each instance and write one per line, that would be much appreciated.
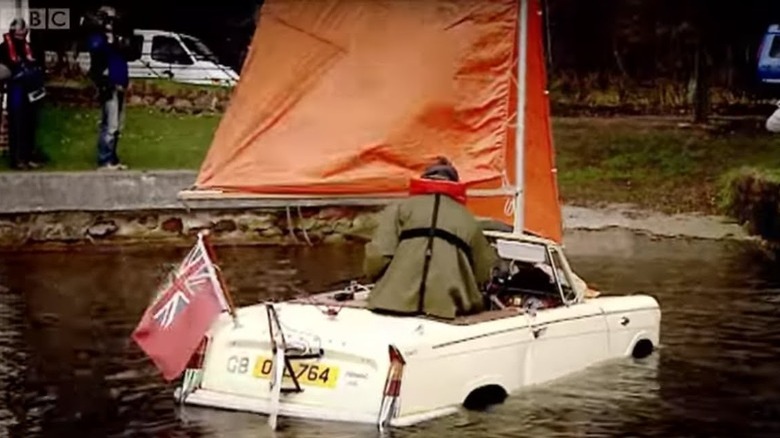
(25, 87)
(109, 71)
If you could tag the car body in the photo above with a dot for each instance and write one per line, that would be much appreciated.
(352, 364)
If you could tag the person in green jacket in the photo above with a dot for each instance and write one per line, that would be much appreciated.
(429, 254)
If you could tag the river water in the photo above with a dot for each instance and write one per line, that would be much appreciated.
(68, 366)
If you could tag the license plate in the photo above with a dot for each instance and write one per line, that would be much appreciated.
(307, 373)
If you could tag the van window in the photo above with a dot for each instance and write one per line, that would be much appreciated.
(168, 50)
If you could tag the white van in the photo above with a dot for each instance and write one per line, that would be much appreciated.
(175, 56)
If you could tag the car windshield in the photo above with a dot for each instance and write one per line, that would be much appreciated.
(198, 49)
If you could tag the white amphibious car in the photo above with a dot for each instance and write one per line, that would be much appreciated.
(343, 362)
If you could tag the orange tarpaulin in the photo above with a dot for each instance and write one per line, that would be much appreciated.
(355, 97)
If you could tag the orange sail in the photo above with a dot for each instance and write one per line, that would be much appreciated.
(339, 97)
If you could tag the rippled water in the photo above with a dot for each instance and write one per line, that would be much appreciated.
(68, 366)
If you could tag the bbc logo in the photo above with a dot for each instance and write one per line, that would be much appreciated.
(49, 18)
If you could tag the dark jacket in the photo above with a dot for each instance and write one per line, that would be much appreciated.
(26, 71)
(108, 63)
(451, 288)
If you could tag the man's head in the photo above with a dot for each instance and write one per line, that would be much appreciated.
(107, 17)
(441, 169)
(18, 28)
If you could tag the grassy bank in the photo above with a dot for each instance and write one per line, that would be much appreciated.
(152, 139)
(655, 163)
(752, 196)
(652, 162)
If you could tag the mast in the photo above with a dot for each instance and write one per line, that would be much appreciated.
(522, 61)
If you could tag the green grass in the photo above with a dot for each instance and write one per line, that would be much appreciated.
(654, 164)
(151, 139)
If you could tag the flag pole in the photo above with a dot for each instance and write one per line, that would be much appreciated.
(225, 292)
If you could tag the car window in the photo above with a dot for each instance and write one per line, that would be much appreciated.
(774, 49)
(169, 50)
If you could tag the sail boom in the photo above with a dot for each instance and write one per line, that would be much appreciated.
(320, 199)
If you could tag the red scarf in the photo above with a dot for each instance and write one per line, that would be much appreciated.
(454, 190)
(12, 49)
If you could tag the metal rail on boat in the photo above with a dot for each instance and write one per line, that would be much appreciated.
(282, 355)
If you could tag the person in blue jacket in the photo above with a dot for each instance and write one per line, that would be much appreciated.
(24, 90)
(109, 71)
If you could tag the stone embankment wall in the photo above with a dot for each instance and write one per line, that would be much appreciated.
(128, 207)
(251, 226)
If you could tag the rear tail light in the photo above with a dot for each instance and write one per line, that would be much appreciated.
(397, 362)
(389, 406)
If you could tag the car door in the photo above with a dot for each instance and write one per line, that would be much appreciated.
(567, 338)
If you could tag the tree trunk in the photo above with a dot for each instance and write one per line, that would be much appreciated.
(701, 88)
(730, 67)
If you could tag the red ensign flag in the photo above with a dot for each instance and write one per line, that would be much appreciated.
(174, 325)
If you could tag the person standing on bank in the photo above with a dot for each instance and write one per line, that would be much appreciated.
(24, 90)
(109, 71)
(429, 254)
